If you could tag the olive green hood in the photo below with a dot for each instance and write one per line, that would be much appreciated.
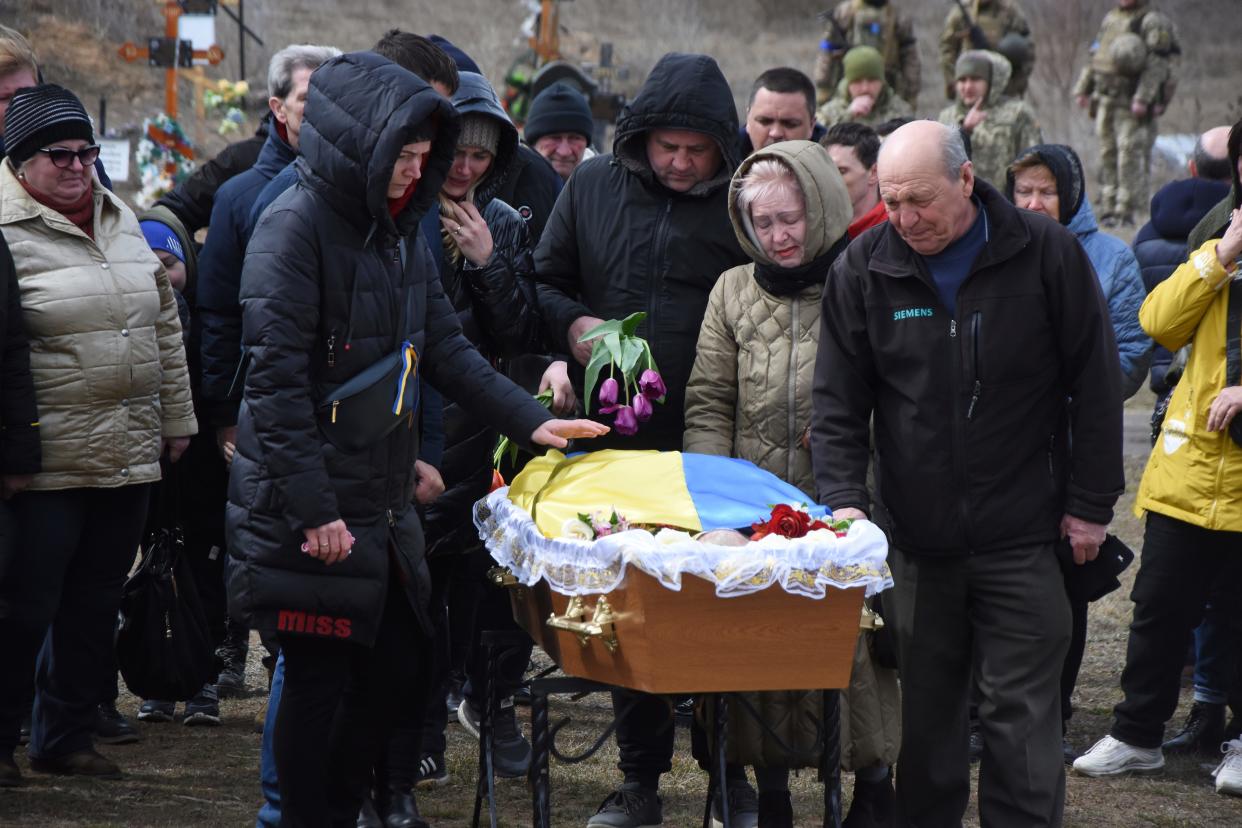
(828, 209)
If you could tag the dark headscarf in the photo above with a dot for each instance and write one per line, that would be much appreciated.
(1066, 171)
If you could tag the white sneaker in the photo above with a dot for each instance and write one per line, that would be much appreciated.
(1112, 757)
(1229, 772)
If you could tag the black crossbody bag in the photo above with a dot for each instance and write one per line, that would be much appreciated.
(364, 409)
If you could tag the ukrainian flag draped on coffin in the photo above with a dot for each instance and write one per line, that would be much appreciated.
(694, 492)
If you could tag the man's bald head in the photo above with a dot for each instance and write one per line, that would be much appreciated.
(926, 183)
(1210, 159)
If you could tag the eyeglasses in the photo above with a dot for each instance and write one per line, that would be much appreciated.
(63, 157)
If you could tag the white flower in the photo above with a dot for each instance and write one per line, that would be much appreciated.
(577, 530)
(669, 537)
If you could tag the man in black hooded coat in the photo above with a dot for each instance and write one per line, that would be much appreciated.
(631, 232)
(334, 276)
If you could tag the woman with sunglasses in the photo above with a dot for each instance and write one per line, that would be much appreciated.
(113, 395)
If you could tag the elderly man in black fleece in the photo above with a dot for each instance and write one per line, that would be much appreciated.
(976, 336)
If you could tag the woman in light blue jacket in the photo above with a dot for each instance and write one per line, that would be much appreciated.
(1048, 179)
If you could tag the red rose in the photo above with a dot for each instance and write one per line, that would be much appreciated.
(789, 521)
(786, 521)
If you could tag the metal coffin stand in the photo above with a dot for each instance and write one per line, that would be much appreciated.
(649, 638)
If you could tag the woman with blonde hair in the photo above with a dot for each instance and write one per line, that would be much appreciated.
(749, 397)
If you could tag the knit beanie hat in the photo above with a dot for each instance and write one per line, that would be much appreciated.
(1066, 170)
(973, 64)
(160, 236)
(478, 130)
(42, 115)
(863, 63)
(559, 108)
(464, 62)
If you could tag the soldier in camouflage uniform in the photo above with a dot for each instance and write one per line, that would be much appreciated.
(1127, 84)
(999, 126)
(863, 96)
(873, 23)
(996, 19)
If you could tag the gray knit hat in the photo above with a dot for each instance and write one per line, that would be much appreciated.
(478, 130)
(42, 115)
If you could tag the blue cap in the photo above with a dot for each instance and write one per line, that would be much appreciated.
(160, 236)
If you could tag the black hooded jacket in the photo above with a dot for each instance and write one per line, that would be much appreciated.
(20, 449)
(619, 242)
(322, 292)
(498, 312)
(1160, 245)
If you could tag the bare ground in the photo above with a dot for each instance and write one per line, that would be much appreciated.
(178, 776)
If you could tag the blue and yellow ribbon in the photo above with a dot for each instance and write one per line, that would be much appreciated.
(409, 365)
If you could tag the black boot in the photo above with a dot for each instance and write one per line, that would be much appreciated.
(399, 809)
(874, 805)
(232, 653)
(367, 817)
(1202, 732)
(775, 809)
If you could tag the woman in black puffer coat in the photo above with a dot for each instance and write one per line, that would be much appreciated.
(334, 275)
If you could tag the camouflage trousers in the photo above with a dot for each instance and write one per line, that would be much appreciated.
(1125, 158)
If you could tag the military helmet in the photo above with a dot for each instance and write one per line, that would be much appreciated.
(1128, 53)
(1016, 49)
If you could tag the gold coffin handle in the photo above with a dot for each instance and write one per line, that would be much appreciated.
(870, 620)
(602, 623)
(502, 576)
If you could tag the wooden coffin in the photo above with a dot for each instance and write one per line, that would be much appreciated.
(693, 641)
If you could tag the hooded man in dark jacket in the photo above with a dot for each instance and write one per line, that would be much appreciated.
(328, 549)
(1160, 244)
(647, 229)
(965, 327)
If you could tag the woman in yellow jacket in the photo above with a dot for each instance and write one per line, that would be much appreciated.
(1192, 495)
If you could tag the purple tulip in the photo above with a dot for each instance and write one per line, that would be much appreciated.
(608, 391)
(642, 408)
(626, 424)
(651, 384)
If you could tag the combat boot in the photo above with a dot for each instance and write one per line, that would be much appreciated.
(1203, 731)
(232, 654)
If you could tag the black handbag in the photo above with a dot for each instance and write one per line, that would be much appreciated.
(364, 409)
(163, 645)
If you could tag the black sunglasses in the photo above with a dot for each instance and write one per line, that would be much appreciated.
(63, 157)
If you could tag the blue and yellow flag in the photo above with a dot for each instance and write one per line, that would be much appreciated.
(693, 492)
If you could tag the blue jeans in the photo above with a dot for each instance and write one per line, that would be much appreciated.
(269, 814)
(1216, 647)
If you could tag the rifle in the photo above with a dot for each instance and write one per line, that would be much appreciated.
(830, 18)
(978, 39)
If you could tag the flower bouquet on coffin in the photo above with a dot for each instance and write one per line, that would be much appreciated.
(626, 355)
(633, 383)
